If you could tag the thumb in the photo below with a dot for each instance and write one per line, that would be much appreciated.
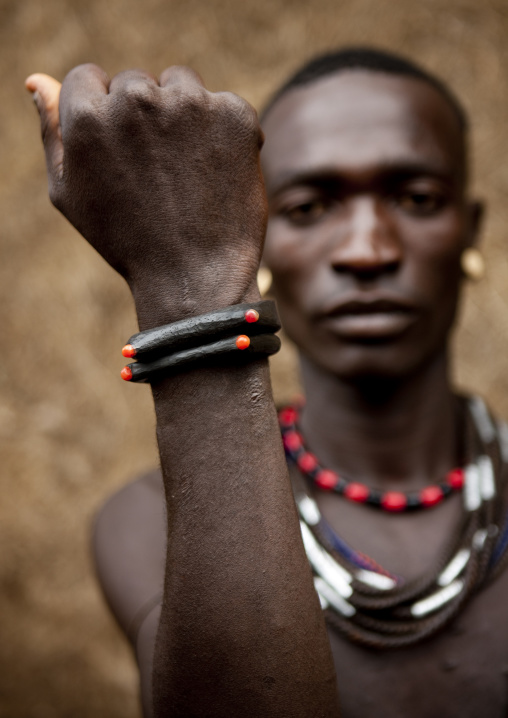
(46, 94)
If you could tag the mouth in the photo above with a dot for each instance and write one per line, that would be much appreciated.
(370, 319)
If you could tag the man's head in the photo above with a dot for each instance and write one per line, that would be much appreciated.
(365, 166)
(366, 58)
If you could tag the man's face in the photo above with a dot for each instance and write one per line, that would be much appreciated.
(368, 218)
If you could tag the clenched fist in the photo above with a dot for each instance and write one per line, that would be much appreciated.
(162, 177)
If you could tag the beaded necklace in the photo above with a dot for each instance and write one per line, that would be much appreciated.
(374, 607)
(354, 490)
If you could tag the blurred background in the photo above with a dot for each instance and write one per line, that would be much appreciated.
(71, 432)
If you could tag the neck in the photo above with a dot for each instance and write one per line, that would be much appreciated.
(390, 433)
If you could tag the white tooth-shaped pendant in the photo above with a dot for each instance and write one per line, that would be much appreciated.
(472, 493)
(436, 600)
(331, 598)
(324, 565)
(308, 510)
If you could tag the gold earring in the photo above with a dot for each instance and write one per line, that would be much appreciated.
(472, 264)
(264, 280)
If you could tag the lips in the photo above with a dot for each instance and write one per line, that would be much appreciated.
(369, 318)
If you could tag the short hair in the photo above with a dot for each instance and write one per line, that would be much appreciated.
(366, 58)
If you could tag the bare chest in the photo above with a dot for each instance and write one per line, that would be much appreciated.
(462, 671)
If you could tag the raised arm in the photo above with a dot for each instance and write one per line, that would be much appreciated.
(162, 177)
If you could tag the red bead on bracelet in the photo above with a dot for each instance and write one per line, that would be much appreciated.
(242, 342)
(129, 351)
(126, 373)
(251, 316)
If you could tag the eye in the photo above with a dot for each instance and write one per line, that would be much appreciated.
(302, 213)
(421, 202)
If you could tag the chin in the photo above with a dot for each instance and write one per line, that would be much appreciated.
(367, 371)
(356, 363)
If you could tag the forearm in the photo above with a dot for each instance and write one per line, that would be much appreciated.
(241, 631)
(163, 179)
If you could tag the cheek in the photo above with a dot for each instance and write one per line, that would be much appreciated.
(433, 275)
(432, 253)
(292, 262)
(294, 257)
(281, 253)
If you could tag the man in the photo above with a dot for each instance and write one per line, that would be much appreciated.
(365, 164)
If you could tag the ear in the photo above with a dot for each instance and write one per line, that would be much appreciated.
(475, 215)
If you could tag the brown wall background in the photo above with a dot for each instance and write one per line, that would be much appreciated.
(71, 431)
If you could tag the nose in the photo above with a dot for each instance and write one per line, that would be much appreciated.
(369, 246)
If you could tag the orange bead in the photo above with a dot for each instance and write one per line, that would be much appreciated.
(126, 373)
(242, 342)
(251, 316)
(129, 351)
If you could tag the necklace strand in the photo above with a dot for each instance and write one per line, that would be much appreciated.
(373, 607)
(357, 491)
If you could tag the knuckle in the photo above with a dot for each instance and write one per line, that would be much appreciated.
(193, 98)
(80, 69)
(180, 75)
(139, 93)
(189, 105)
(241, 112)
(85, 116)
(80, 73)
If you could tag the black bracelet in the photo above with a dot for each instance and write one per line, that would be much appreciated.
(258, 318)
(236, 348)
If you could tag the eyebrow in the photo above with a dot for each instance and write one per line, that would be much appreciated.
(318, 176)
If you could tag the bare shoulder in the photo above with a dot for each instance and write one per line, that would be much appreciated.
(129, 550)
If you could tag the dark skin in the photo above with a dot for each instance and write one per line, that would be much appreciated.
(163, 179)
(368, 216)
(368, 201)
(364, 243)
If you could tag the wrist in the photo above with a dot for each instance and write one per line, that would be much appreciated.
(163, 302)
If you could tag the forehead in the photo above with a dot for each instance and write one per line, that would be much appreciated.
(357, 121)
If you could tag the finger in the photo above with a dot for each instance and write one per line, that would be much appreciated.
(46, 94)
(180, 75)
(81, 89)
(135, 81)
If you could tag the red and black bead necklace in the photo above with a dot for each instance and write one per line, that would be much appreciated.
(328, 480)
